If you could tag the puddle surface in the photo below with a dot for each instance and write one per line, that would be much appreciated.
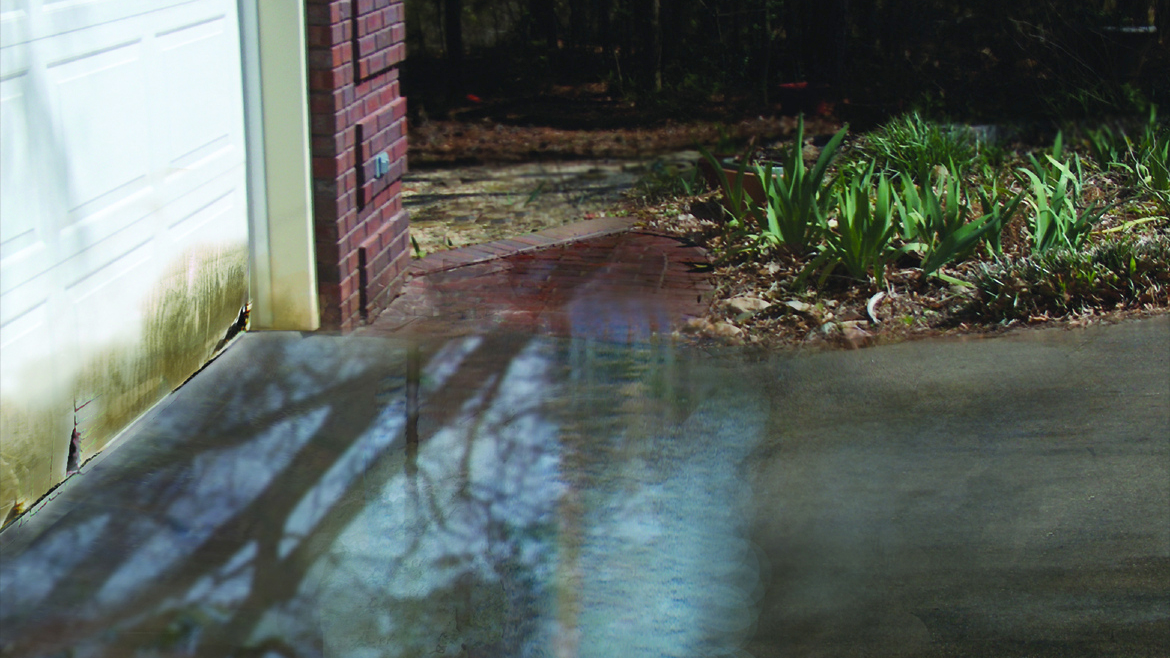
(505, 495)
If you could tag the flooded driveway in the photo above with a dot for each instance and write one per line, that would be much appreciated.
(507, 495)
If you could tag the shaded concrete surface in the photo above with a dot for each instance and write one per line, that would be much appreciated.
(505, 494)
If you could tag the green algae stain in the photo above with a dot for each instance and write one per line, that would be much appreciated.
(186, 316)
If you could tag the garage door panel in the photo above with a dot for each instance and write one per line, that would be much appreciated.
(29, 323)
(196, 122)
(18, 269)
(22, 239)
(13, 23)
(96, 255)
(121, 127)
(207, 219)
(18, 231)
(62, 16)
(104, 299)
(20, 300)
(25, 334)
(102, 112)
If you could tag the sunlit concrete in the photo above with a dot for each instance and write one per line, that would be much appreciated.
(511, 495)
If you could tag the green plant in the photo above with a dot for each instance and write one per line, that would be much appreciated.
(939, 226)
(737, 202)
(912, 145)
(998, 210)
(797, 202)
(862, 240)
(1151, 159)
(1108, 148)
(1065, 280)
(991, 155)
(1055, 193)
(1042, 168)
(667, 181)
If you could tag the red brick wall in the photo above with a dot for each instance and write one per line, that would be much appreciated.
(355, 47)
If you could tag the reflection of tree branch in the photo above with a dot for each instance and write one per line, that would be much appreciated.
(262, 518)
(75, 584)
(270, 645)
(278, 580)
(473, 430)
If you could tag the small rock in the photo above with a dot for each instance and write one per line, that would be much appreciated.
(726, 330)
(746, 304)
(798, 306)
(855, 336)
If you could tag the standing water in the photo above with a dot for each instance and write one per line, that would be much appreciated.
(510, 495)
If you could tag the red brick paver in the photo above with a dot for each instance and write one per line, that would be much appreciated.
(598, 279)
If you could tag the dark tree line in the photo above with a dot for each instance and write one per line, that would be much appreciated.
(753, 46)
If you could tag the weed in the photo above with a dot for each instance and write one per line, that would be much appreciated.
(736, 201)
(1108, 148)
(1064, 280)
(998, 210)
(1151, 158)
(668, 181)
(1055, 193)
(912, 145)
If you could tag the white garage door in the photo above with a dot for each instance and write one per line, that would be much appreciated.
(123, 230)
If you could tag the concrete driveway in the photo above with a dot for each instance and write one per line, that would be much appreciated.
(512, 495)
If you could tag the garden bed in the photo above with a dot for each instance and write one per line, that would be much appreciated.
(1024, 272)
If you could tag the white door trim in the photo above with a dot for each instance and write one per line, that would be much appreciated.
(276, 99)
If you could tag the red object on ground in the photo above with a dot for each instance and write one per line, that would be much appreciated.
(474, 99)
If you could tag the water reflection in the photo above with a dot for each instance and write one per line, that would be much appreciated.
(505, 495)
(329, 497)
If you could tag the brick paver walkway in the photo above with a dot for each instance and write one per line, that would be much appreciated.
(595, 279)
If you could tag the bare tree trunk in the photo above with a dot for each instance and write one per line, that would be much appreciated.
(578, 23)
(656, 48)
(453, 31)
(767, 49)
(544, 19)
(651, 52)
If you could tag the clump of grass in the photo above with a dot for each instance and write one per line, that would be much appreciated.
(664, 181)
(1151, 161)
(914, 146)
(1060, 281)
(1058, 219)
(1143, 162)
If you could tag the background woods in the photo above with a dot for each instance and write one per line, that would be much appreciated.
(973, 59)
